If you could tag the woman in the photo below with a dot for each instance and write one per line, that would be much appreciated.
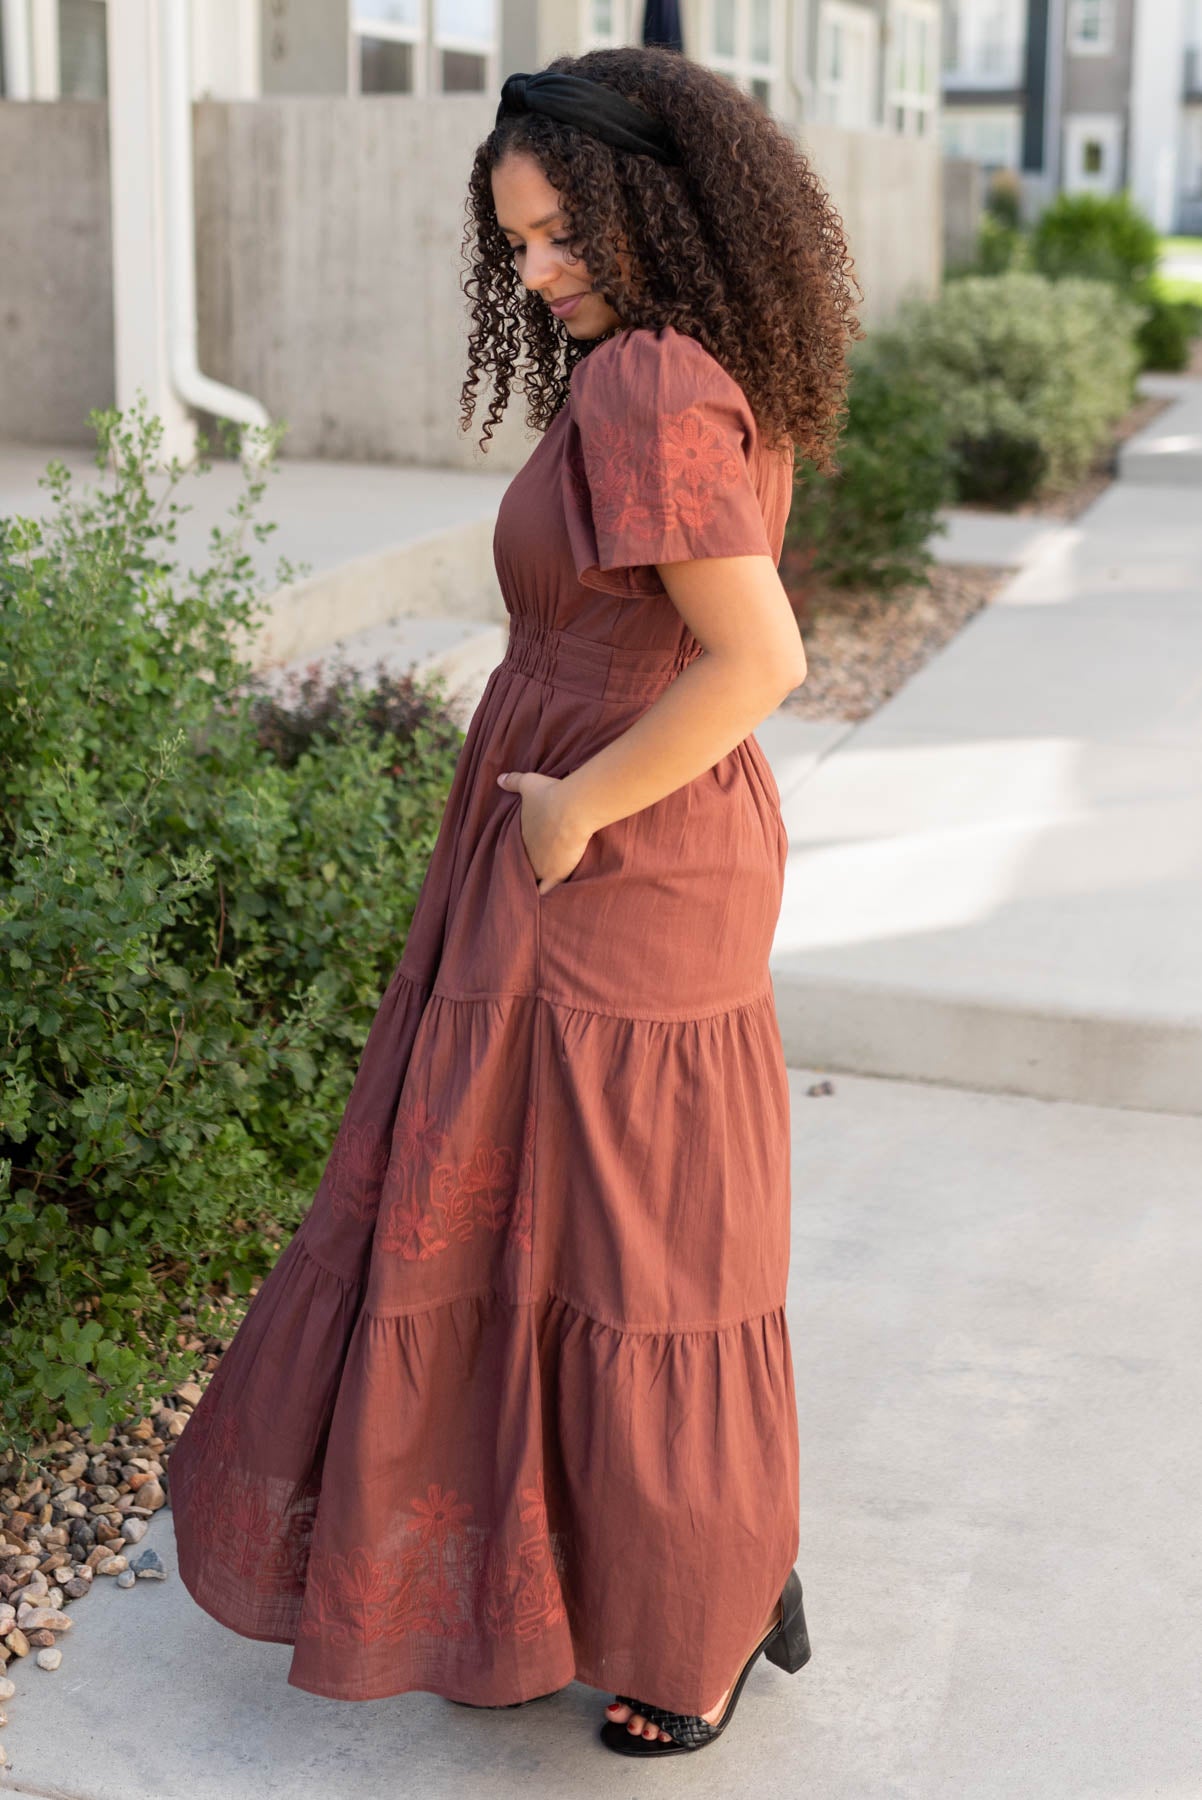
(515, 1405)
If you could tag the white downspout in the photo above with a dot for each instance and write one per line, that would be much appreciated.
(193, 388)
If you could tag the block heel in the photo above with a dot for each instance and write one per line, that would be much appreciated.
(789, 1645)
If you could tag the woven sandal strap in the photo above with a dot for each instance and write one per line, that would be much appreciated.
(686, 1728)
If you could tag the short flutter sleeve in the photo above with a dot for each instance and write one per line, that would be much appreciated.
(658, 463)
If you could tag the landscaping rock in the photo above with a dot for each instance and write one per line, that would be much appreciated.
(44, 1618)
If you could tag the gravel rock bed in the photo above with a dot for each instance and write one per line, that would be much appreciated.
(76, 1511)
(861, 646)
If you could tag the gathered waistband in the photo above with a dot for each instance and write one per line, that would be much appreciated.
(563, 659)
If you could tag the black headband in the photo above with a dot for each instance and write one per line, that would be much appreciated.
(594, 107)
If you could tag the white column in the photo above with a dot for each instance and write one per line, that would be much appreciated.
(226, 51)
(44, 45)
(137, 203)
(1158, 64)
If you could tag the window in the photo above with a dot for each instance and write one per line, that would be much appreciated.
(744, 40)
(1091, 27)
(606, 23)
(82, 50)
(395, 55)
(991, 136)
(984, 42)
(389, 39)
(847, 50)
(1091, 153)
(387, 66)
(464, 35)
(911, 76)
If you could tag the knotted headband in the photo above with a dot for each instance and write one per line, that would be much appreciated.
(594, 107)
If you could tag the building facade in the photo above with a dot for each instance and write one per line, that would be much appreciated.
(857, 64)
(1080, 96)
(222, 175)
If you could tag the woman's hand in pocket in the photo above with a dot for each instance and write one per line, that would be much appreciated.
(553, 839)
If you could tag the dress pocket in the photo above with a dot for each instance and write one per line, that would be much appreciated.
(523, 856)
(521, 852)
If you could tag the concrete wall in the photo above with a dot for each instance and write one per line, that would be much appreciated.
(889, 191)
(963, 209)
(329, 270)
(329, 264)
(56, 289)
(330, 285)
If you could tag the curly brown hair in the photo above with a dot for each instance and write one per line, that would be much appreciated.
(738, 246)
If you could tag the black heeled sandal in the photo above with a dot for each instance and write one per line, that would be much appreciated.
(787, 1645)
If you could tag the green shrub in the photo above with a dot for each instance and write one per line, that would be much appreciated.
(198, 911)
(1166, 334)
(1000, 247)
(1003, 198)
(1099, 237)
(871, 522)
(1030, 375)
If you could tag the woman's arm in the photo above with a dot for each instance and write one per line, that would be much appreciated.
(737, 609)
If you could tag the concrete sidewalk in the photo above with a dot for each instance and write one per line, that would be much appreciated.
(1170, 450)
(996, 880)
(998, 1352)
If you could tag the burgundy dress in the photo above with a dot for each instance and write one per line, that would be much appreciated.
(515, 1405)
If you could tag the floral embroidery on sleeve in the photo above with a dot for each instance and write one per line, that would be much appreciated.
(648, 487)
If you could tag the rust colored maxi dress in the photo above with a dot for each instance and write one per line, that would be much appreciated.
(515, 1405)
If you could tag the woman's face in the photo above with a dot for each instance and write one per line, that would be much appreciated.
(528, 212)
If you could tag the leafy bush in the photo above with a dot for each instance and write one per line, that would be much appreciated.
(196, 920)
(1003, 198)
(872, 520)
(1099, 237)
(1000, 247)
(1030, 376)
(1167, 331)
